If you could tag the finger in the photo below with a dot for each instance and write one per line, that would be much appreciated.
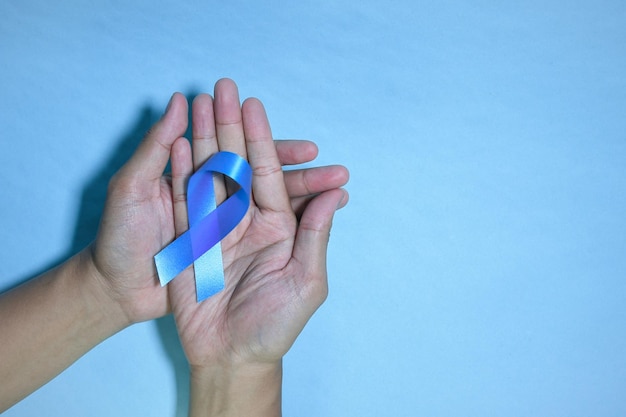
(151, 157)
(182, 290)
(204, 135)
(293, 152)
(299, 204)
(312, 242)
(228, 119)
(181, 170)
(267, 175)
(303, 182)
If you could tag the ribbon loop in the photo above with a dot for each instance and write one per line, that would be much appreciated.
(208, 225)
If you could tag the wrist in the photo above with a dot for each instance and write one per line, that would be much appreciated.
(100, 301)
(251, 389)
(48, 323)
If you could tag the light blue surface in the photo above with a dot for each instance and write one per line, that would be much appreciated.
(480, 267)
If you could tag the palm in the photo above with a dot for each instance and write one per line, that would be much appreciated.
(138, 221)
(271, 290)
(245, 318)
(124, 254)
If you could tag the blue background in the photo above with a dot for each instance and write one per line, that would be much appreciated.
(480, 267)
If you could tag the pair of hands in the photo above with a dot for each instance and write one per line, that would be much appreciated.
(274, 260)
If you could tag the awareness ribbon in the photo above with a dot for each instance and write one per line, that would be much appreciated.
(208, 225)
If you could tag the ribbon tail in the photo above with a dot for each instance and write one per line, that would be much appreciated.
(208, 225)
(209, 272)
(174, 258)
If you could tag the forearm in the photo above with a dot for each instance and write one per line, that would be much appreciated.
(251, 390)
(48, 323)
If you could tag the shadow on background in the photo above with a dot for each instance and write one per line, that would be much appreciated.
(92, 206)
(95, 190)
(172, 347)
(87, 223)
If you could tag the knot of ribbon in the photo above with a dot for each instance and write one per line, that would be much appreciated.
(208, 225)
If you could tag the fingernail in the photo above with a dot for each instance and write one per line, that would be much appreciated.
(343, 201)
(169, 105)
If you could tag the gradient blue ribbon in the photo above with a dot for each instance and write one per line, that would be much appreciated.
(208, 225)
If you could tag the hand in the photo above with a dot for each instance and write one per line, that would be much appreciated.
(138, 219)
(274, 260)
(52, 320)
(113, 283)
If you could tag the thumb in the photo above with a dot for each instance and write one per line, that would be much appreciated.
(312, 240)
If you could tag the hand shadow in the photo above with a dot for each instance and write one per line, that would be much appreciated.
(91, 208)
(92, 205)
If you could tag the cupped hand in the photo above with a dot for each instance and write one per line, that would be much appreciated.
(138, 219)
(275, 259)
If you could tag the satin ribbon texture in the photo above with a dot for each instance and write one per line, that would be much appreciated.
(208, 225)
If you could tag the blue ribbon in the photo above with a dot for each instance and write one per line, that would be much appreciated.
(208, 225)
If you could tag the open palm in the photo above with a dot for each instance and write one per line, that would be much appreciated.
(275, 259)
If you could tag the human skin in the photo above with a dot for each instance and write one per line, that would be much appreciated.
(274, 261)
(52, 320)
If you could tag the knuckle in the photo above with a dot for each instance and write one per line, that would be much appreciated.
(267, 170)
(306, 182)
(179, 198)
